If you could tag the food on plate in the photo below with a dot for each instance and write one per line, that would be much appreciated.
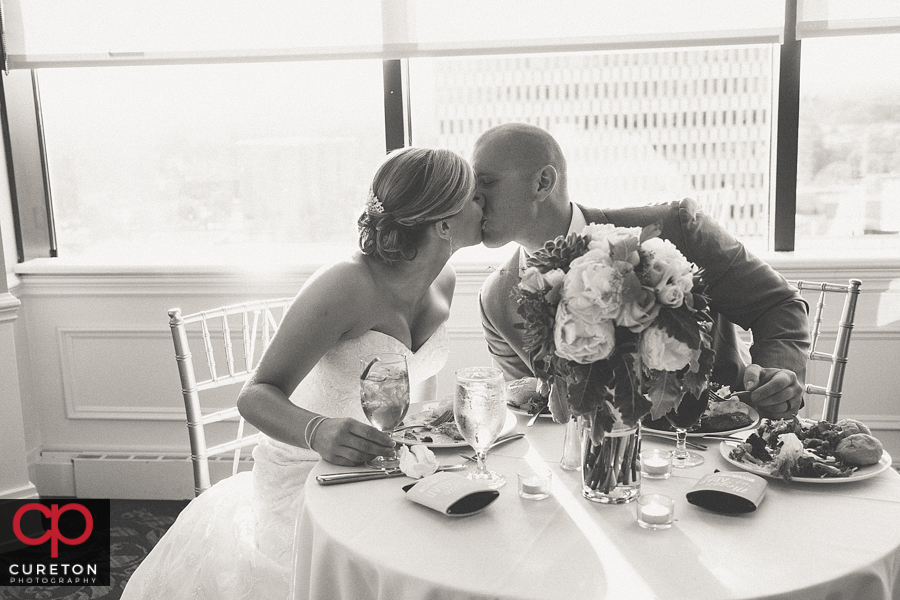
(859, 449)
(851, 426)
(724, 413)
(798, 447)
(522, 394)
(435, 421)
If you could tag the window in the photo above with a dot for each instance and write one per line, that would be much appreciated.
(706, 134)
(211, 163)
(848, 176)
(196, 131)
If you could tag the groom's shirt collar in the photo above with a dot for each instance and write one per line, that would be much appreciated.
(576, 225)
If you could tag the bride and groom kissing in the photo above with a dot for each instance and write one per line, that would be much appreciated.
(395, 294)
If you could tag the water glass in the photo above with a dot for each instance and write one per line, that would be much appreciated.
(384, 396)
(479, 408)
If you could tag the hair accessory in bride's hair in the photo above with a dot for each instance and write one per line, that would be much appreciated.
(373, 204)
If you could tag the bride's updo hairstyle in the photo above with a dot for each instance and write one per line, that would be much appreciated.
(412, 189)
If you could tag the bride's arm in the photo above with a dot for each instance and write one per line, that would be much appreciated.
(326, 309)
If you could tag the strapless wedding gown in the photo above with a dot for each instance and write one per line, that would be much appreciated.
(235, 540)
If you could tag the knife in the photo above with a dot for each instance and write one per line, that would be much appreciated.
(352, 476)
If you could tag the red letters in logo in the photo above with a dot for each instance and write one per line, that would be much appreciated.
(53, 535)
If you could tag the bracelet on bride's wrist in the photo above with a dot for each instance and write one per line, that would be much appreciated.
(312, 434)
(310, 423)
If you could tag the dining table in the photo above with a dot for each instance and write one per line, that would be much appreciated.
(366, 540)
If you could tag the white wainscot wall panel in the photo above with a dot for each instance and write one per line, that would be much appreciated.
(97, 361)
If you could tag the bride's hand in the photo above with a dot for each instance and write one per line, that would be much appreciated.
(346, 441)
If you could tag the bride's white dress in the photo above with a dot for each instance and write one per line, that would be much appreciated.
(235, 539)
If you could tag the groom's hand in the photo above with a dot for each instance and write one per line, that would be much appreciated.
(776, 393)
(346, 441)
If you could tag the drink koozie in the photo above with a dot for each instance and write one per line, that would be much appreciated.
(728, 492)
(451, 494)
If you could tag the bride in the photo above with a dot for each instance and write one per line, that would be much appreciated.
(235, 539)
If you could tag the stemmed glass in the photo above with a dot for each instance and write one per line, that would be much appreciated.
(479, 408)
(683, 419)
(384, 395)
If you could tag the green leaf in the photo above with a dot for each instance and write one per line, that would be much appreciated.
(665, 390)
(631, 287)
(588, 385)
(622, 248)
(630, 399)
(680, 324)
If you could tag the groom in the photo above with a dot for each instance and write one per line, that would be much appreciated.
(521, 178)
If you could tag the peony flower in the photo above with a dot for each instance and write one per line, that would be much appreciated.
(638, 315)
(592, 289)
(664, 264)
(583, 341)
(604, 235)
(662, 352)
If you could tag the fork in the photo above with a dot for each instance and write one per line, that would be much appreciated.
(442, 418)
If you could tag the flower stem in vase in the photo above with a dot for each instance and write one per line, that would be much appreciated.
(610, 474)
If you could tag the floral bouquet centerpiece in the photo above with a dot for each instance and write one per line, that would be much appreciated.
(616, 322)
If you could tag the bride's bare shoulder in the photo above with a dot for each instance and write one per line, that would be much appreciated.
(346, 274)
(445, 282)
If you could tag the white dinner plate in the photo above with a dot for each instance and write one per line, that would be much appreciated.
(699, 434)
(421, 412)
(860, 473)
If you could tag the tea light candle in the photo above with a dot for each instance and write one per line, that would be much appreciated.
(534, 484)
(655, 514)
(656, 464)
(655, 511)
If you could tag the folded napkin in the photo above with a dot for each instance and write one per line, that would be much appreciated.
(417, 461)
(728, 492)
(450, 494)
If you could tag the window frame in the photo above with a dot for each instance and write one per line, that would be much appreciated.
(32, 195)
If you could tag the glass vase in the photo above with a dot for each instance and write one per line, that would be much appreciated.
(610, 468)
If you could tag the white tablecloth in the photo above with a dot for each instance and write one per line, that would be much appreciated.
(367, 541)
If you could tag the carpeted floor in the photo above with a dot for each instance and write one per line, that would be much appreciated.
(135, 527)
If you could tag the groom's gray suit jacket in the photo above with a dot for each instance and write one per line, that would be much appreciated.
(743, 290)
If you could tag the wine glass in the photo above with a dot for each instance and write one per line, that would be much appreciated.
(384, 395)
(479, 408)
(684, 418)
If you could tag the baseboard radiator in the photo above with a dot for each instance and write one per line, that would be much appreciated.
(139, 476)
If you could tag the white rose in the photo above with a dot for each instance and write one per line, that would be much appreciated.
(583, 341)
(532, 280)
(555, 280)
(670, 295)
(662, 352)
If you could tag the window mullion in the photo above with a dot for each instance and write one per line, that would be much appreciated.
(397, 125)
(29, 183)
(784, 229)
